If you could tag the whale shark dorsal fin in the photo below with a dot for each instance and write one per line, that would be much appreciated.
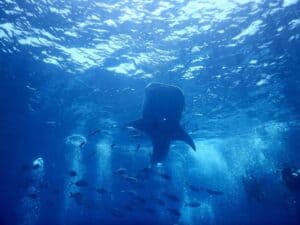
(181, 135)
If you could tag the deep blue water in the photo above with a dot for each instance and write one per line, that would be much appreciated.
(73, 72)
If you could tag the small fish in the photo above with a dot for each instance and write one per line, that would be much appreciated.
(174, 212)
(129, 179)
(33, 195)
(78, 198)
(165, 176)
(101, 191)
(130, 192)
(76, 195)
(116, 212)
(51, 123)
(121, 171)
(193, 188)
(72, 173)
(159, 201)
(80, 183)
(146, 170)
(199, 189)
(133, 132)
(139, 199)
(30, 88)
(193, 204)
(88, 204)
(171, 197)
(82, 144)
(93, 133)
(214, 192)
(127, 207)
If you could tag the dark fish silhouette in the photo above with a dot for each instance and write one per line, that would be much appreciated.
(80, 183)
(93, 133)
(193, 204)
(165, 176)
(132, 193)
(127, 207)
(146, 170)
(130, 179)
(197, 189)
(161, 115)
(72, 173)
(172, 197)
(214, 192)
(78, 198)
(33, 195)
(76, 195)
(159, 201)
(138, 199)
(121, 171)
(116, 212)
(101, 191)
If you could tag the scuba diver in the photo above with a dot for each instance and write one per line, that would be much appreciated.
(291, 178)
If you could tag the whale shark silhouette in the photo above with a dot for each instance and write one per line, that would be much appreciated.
(161, 114)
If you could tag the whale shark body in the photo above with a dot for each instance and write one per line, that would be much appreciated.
(161, 114)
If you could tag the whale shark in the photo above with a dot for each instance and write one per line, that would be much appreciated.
(161, 114)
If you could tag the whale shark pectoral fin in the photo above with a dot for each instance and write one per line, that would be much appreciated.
(182, 135)
(137, 124)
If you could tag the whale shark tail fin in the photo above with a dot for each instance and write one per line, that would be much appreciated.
(181, 135)
(161, 147)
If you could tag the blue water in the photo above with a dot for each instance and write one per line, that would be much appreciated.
(72, 73)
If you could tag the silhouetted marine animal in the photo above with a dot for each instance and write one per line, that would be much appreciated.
(161, 114)
(291, 178)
